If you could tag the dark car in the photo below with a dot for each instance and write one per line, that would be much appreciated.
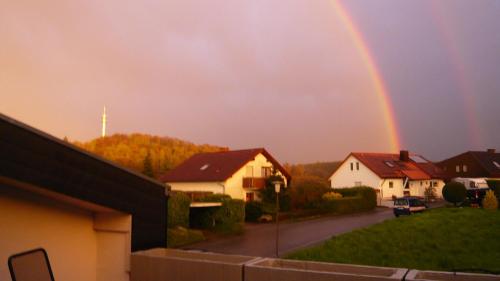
(408, 205)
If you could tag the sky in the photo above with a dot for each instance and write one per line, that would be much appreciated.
(298, 77)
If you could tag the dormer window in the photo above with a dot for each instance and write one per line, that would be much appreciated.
(204, 167)
(389, 163)
(496, 164)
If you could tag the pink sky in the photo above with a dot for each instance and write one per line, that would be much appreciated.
(274, 74)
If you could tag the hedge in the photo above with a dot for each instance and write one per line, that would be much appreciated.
(228, 218)
(253, 211)
(355, 199)
(178, 210)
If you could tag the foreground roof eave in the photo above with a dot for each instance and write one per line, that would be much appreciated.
(75, 148)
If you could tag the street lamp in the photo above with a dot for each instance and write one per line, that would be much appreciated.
(277, 187)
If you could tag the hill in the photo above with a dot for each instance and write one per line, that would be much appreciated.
(320, 170)
(130, 150)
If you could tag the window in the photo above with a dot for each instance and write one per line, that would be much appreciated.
(389, 163)
(464, 168)
(266, 172)
(357, 183)
(352, 166)
(357, 166)
(496, 164)
(391, 184)
(249, 197)
(457, 168)
(249, 173)
(421, 183)
(204, 167)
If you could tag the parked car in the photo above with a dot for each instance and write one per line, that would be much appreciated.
(408, 205)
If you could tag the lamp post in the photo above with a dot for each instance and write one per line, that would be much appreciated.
(277, 187)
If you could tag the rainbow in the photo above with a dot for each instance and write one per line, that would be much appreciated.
(375, 75)
(458, 64)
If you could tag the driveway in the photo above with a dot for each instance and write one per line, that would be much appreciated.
(259, 239)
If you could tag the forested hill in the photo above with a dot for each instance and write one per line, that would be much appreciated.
(131, 151)
(319, 171)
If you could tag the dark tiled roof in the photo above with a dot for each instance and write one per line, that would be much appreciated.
(486, 160)
(216, 166)
(387, 165)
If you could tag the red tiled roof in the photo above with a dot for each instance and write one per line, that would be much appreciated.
(217, 166)
(387, 165)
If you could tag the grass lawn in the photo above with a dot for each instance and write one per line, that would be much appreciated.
(445, 239)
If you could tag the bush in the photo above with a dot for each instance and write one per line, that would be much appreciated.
(430, 193)
(306, 192)
(454, 192)
(178, 209)
(354, 199)
(490, 201)
(227, 218)
(332, 195)
(181, 236)
(253, 211)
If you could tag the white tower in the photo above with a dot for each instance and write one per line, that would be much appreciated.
(103, 134)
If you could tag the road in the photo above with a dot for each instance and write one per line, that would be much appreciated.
(259, 239)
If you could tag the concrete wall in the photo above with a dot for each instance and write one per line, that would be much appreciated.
(177, 265)
(81, 244)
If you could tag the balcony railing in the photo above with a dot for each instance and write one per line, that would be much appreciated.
(254, 182)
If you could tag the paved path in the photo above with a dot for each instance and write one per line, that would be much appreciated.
(259, 239)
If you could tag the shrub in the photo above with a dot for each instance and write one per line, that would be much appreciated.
(181, 236)
(490, 201)
(332, 195)
(430, 193)
(253, 211)
(178, 209)
(454, 192)
(306, 192)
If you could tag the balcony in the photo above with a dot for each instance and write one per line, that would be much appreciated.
(254, 183)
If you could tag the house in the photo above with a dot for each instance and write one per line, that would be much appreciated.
(389, 174)
(86, 212)
(239, 173)
(473, 164)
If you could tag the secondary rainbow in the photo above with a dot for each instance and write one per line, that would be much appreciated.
(376, 77)
(465, 88)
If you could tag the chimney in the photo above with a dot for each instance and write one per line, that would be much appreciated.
(491, 150)
(404, 155)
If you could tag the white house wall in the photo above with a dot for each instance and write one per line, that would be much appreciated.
(235, 183)
(397, 188)
(344, 177)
